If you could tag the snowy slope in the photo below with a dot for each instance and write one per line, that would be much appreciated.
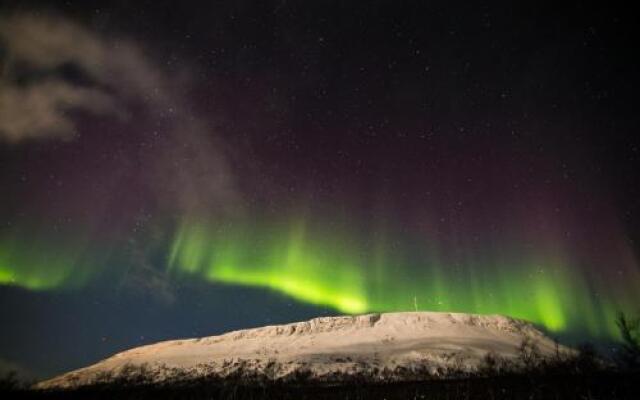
(393, 346)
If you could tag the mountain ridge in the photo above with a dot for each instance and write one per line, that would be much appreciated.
(387, 346)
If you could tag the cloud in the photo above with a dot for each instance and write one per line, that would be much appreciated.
(42, 110)
(114, 77)
(143, 279)
(30, 110)
(43, 105)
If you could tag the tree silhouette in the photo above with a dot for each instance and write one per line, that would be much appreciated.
(629, 357)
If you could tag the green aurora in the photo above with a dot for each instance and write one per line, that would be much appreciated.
(336, 269)
(333, 270)
(38, 264)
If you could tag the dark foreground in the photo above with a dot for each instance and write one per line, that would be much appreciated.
(578, 375)
(610, 386)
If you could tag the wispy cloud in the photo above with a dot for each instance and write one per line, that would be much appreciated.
(113, 77)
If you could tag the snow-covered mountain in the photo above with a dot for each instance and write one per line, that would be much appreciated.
(392, 346)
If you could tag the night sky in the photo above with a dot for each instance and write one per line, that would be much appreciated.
(180, 169)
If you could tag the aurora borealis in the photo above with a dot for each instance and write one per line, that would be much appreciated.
(329, 270)
(172, 170)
